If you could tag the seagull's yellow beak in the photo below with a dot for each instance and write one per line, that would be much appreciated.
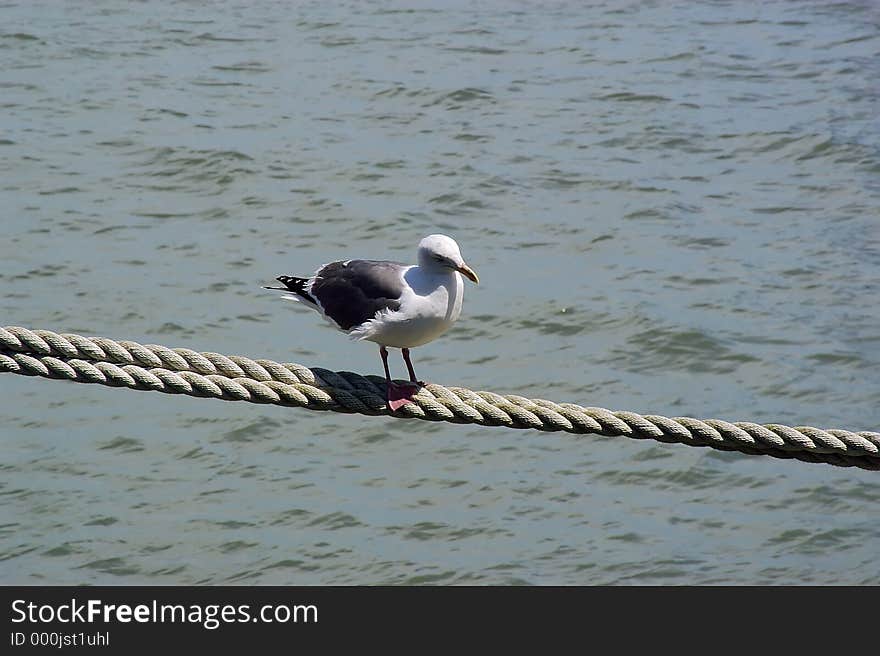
(469, 273)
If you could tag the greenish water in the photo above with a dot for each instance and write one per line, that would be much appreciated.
(673, 209)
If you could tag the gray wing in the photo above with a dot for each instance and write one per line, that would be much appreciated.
(352, 292)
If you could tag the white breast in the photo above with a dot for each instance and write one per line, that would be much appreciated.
(427, 310)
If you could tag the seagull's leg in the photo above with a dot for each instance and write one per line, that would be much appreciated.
(397, 395)
(409, 366)
(384, 353)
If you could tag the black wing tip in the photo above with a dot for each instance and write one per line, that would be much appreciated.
(295, 285)
(291, 283)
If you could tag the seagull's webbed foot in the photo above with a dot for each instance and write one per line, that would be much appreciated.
(401, 394)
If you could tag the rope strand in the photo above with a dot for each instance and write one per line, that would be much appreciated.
(236, 378)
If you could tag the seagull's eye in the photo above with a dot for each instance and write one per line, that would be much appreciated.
(438, 258)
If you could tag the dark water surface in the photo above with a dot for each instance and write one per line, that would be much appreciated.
(673, 209)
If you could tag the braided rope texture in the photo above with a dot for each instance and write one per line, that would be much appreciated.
(236, 378)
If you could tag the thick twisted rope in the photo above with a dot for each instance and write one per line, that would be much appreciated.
(236, 378)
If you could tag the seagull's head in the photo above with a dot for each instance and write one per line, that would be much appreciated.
(438, 252)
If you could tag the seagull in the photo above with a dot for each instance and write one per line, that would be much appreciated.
(392, 304)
